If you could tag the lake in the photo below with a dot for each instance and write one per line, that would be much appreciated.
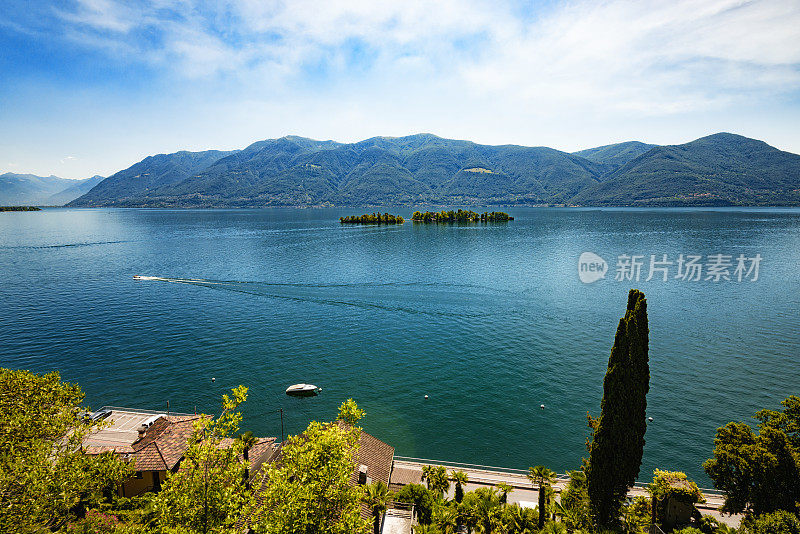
(491, 321)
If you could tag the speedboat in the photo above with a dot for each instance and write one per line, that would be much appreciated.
(303, 390)
(140, 277)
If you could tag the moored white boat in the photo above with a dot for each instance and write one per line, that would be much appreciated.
(303, 390)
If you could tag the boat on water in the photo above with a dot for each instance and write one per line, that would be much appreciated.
(303, 390)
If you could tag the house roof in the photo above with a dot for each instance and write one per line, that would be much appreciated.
(162, 446)
(376, 455)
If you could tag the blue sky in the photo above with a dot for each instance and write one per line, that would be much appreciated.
(92, 86)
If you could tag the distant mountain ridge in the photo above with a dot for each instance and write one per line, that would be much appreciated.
(720, 169)
(32, 190)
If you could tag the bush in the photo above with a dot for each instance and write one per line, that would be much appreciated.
(780, 522)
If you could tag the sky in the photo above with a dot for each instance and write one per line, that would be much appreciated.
(92, 86)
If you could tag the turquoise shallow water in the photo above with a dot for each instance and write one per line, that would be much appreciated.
(490, 321)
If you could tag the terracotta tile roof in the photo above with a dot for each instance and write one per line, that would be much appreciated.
(166, 440)
(149, 458)
(376, 455)
(402, 476)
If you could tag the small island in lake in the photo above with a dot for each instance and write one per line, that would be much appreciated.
(19, 208)
(374, 218)
(460, 216)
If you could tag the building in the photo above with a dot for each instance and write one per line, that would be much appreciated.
(155, 441)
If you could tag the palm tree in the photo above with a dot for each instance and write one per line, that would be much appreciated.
(437, 480)
(486, 507)
(504, 490)
(446, 519)
(521, 520)
(376, 496)
(248, 440)
(426, 473)
(467, 514)
(461, 479)
(542, 477)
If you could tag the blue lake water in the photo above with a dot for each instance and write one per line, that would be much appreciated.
(490, 320)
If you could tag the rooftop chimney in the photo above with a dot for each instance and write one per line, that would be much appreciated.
(142, 431)
(362, 474)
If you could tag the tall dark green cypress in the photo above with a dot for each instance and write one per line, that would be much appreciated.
(615, 452)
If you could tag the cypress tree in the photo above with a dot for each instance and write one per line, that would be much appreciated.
(615, 452)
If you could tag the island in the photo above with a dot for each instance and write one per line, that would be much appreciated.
(19, 208)
(460, 216)
(374, 218)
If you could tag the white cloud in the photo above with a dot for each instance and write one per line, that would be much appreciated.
(640, 57)
(568, 75)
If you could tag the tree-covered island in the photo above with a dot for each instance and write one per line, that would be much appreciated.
(19, 208)
(460, 216)
(374, 218)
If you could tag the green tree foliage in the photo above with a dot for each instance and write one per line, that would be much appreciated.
(542, 477)
(46, 480)
(460, 479)
(675, 486)
(19, 208)
(375, 218)
(617, 443)
(573, 508)
(376, 496)
(780, 522)
(207, 493)
(460, 216)
(248, 441)
(637, 516)
(421, 497)
(446, 519)
(436, 478)
(350, 413)
(503, 490)
(759, 471)
(308, 489)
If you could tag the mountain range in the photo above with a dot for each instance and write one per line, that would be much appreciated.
(718, 170)
(32, 190)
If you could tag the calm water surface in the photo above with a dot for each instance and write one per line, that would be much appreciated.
(490, 321)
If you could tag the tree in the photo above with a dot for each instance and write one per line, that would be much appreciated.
(780, 522)
(521, 520)
(422, 499)
(675, 486)
(504, 490)
(45, 478)
(436, 477)
(573, 507)
(617, 441)
(350, 413)
(376, 496)
(542, 477)
(207, 493)
(759, 472)
(487, 508)
(460, 478)
(308, 490)
(446, 519)
(248, 441)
